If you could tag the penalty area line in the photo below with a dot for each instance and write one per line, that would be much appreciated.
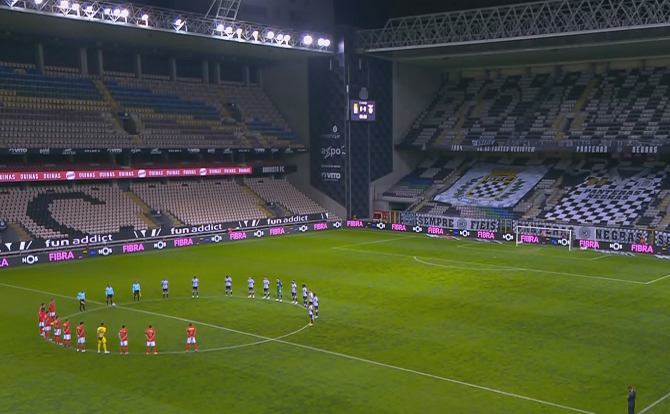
(655, 403)
(657, 280)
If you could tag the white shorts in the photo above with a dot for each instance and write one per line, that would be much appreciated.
(190, 340)
(52, 314)
(67, 337)
(40, 324)
(57, 332)
(81, 340)
(47, 328)
(151, 343)
(123, 343)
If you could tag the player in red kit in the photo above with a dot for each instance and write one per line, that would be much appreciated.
(81, 338)
(52, 308)
(151, 339)
(190, 337)
(40, 319)
(66, 333)
(123, 339)
(57, 330)
(47, 326)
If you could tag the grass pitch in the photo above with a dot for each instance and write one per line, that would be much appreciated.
(407, 324)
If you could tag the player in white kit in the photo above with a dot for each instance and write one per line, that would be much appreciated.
(195, 282)
(266, 288)
(250, 283)
(294, 292)
(229, 285)
(304, 295)
(316, 306)
(166, 292)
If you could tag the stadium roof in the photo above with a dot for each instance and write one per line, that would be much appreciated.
(524, 33)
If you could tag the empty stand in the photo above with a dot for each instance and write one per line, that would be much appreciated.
(618, 106)
(282, 192)
(204, 202)
(54, 111)
(59, 211)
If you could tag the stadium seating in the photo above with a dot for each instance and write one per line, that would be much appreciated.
(429, 172)
(210, 201)
(59, 108)
(41, 110)
(282, 192)
(175, 114)
(595, 191)
(630, 106)
(61, 211)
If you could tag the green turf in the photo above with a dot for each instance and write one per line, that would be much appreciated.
(408, 324)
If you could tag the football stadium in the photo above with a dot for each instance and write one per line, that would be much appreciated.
(332, 206)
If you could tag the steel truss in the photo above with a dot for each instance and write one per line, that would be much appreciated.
(157, 18)
(521, 21)
(226, 9)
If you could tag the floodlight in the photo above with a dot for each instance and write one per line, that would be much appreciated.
(238, 31)
(117, 12)
(229, 30)
(220, 27)
(270, 34)
(254, 34)
(179, 24)
(307, 40)
(108, 11)
(38, 2)
(287, 38)
(280, 37)
(64, 4)
(124, 13)
(326, 42)
(145, 17)
(75, 6)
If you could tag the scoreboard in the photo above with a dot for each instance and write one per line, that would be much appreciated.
(360, 110)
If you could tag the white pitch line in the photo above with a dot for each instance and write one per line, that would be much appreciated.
(524, 269)
(338, 354)
(657, 280)
(610, 279)
(655, 403)
(437, 377)
(370, 242)
(463, 267)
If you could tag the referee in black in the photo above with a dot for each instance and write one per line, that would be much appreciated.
(631, 399)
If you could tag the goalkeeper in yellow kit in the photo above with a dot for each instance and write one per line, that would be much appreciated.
(102, 337)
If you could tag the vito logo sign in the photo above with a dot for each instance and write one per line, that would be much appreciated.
(331, 176)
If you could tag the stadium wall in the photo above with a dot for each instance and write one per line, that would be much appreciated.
(286, 85)
(301, 180)
(413, 89)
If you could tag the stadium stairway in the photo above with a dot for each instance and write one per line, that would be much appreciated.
(261, 202)
(21, 234)
(146, 210)
(665, 206)
(114, 106)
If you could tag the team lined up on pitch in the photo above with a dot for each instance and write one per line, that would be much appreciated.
(47, 319)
